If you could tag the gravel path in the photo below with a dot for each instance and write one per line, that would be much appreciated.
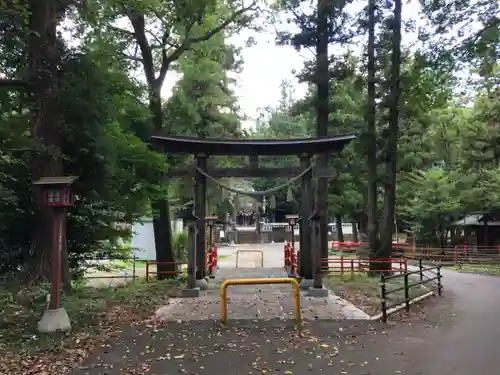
(456, 334)
(251, 348)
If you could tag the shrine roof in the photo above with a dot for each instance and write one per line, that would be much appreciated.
(214, 146)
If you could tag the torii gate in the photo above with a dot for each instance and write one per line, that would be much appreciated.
(305, 148)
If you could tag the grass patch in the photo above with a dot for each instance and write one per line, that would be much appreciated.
(335, 253)
(485, 269)
(129, 264)
(364, 291)
(95, 314)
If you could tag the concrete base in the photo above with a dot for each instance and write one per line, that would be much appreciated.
(54, 320)
(317, 292)
(202, 284)
(190, 293)
(305, 284)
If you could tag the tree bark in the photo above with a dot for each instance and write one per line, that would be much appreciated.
(392, 138)
(355, 236)
(322, 112)
(338, 224)
(161, 207)
(43, 76)
(371, 139)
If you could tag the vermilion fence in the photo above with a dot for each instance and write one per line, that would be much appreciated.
(451, 254)
(455, 254)
(342, 265)
(350, 246)
(180, 268)
(345, 265)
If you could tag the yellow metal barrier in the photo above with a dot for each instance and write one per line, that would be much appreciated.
(279, 280)
(250, 251)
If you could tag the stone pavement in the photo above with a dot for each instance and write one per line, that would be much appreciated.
(256, 301)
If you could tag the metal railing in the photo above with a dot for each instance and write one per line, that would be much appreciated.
(435, 276)
(106, 268)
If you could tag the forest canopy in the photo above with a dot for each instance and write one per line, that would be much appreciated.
(425, 115)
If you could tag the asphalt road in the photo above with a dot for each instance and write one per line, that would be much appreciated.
(457, 334)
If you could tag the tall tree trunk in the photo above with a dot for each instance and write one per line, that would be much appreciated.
(322, 112)
(392, 138)
(371, 139)
(161, 207)
(338, 224)
(355, 236)
(43, 75)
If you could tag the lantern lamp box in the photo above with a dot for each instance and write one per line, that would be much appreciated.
(292, 219)
(211, 220)
(57, 190)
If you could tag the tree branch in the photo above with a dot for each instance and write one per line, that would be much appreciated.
(222, 26)
(492, 23)
(139, 24)
(15, 84)
(132, 58)
(121, 31)
(167, 59)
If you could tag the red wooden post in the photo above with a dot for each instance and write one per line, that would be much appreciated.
(147, 271)
(298, 263)
(210, 261)
(57, 235)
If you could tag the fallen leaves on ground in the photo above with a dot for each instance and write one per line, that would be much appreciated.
(96, 314)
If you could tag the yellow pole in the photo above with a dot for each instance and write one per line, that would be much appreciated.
(269, 281)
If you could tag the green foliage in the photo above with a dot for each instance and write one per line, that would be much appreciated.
(180, 245)
(117, 172)
(448, 153)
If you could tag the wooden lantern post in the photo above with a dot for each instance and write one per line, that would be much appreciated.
(56, 193)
